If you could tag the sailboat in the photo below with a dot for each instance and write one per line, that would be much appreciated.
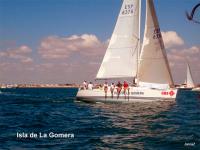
(189, 82)
(189, 79)
(126, 58)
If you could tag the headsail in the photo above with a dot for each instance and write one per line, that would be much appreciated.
(189, 80)
(154, 67)
(120, 60)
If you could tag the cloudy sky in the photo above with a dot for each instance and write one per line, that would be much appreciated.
(63, 41)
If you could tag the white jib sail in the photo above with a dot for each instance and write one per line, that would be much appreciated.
(153, 68)
(120, 59)
(189, 81)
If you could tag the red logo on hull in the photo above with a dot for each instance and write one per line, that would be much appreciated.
(171, 93)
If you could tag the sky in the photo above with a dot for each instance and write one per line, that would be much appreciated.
(64, 41)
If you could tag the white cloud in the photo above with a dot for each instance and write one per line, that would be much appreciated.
(26, 60)
(79, 52)
(54, 47)
(19, 53)
(191, 51)
(172, 39)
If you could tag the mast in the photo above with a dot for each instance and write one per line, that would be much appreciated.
(139, 40)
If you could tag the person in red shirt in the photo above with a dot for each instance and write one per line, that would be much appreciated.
(126, 88)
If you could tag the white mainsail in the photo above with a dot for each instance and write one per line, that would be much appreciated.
(153, 68)
(120, 60)
(189, 79)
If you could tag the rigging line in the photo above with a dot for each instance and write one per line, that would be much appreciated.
(137, 45)
(134, 50)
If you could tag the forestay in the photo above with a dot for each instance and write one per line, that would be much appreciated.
(120, 60)
(153, 67)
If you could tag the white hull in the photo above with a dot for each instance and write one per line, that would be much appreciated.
(196, 89)
(185, 88)
(136, 94)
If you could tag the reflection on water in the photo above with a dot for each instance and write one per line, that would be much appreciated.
(131, 122)
(129, 116)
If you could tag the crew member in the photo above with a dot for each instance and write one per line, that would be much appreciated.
(90, 86)
(105, 87)
(85, 85)
(126, 88)
(112, 88)
(119, 88)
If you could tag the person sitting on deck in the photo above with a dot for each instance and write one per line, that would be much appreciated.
(119, 88)
(90, 86)
(85, 85)
(135, 81)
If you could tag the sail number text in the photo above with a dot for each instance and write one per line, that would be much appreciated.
(156, 33)
(128, 9)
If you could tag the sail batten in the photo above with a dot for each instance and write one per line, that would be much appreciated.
(153, 66)
(120, 59)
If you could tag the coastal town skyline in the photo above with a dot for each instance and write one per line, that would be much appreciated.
(65, 41)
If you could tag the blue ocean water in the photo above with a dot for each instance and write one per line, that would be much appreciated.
(151, 126)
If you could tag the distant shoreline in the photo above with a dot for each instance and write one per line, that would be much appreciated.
(45, 87)
(13, 86)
